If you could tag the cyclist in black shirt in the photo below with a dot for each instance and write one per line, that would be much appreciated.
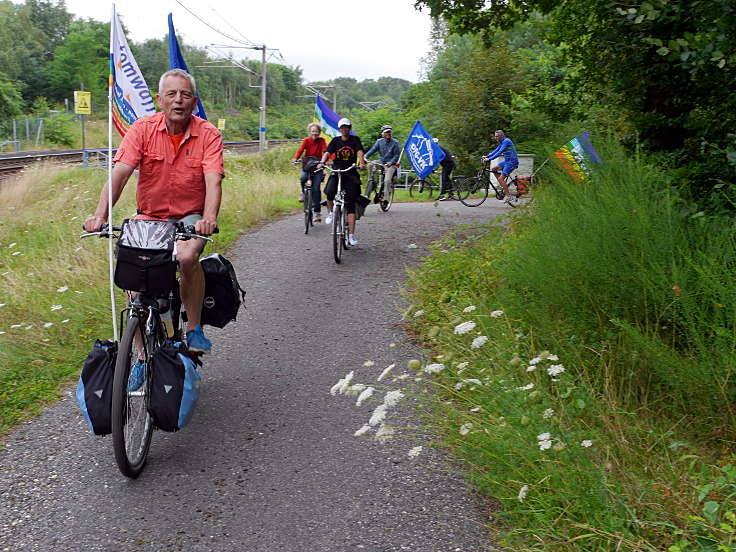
(348, 150)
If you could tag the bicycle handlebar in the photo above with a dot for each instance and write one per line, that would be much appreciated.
(182, 232)
(339, 170)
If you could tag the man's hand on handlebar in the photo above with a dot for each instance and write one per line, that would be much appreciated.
(205, 227)
(94, 223)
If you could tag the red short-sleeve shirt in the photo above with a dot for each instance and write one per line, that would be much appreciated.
(171, 183)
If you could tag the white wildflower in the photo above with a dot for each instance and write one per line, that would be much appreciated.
(384, 433)
(545, 445)
(462, 365)
(419, 313)
(355, 389)
(56, 307)
(414, 452)
(544, 437)
(475, 409)
(16, 325)
(535, 360)
(522, 492)
(465, 428)
(16, 253)
(369, 363)
(553, 358)
(386, 372)
(464, 327)
(392, 398)
(555, 370)
(379, 414)
(342, 385)
(531, 368)
(587, 443)
(526, 387)
(434, 368)
(402, 377)
(2, 304)
(463, 383)
(366, 394)
(62, 289)
(65, 321)
(548, 413)
(12, 245)
(412, 246)
(497, 314)
(471, 308)
(48, 324)
(478, 342)
(1, 333)
(362, 431)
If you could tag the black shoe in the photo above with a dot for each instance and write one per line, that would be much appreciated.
(442, 197)
(377, 199)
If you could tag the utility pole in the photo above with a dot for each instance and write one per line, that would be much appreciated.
(334, 92)
(262, 143)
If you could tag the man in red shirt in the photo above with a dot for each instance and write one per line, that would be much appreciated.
(179, 157)
(313, 146)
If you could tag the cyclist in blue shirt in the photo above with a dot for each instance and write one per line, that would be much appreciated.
(509, 163)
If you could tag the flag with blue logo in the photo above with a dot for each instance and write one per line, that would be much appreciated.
(176, 61)
(423, 152)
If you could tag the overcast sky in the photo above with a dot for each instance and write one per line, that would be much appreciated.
(344, 38)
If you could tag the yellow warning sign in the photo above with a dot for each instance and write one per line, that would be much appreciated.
(221, 124)
(82, 102)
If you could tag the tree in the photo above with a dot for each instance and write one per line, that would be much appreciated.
(11, 102)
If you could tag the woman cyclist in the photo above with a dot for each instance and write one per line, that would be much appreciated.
(312, 147)
(348, 150)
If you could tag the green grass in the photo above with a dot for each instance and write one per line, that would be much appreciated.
(631, 295)
(40, 219)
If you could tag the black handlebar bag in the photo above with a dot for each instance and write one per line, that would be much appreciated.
(146, 258)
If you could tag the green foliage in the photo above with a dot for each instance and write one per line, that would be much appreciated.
(58, 130)
(11, 102)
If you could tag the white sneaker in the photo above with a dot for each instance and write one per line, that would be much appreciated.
(328, 218)
(352, 240)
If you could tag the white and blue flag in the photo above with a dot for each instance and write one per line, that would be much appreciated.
(423, 152)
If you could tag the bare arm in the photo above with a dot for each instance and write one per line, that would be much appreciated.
(120, 175)
(213, 196)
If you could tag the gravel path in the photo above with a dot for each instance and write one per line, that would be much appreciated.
(269, 461)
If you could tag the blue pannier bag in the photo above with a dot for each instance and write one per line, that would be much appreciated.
(175, 383)
(94, 390)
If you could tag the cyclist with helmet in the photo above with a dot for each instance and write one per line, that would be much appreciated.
(509, 163)
(313, 146)
(390, 149)
(448, 165)
(348, 150)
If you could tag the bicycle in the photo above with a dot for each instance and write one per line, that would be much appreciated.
(307, 192)
(376, 182)
(339, 217)
(132, 424)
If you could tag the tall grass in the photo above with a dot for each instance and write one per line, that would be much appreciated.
(53, 287)
(611, 279)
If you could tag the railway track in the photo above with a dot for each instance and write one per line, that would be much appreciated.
(12, 163)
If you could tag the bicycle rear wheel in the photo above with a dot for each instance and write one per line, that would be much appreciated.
(475, 191)
(307, 209)
(422, 188)
(459, 190)
(388, 197)
(132, 426)
(337, 239)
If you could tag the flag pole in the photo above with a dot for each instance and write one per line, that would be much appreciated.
(111, 267)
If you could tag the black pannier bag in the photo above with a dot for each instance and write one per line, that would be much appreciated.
(175, 383)
(94, 390)
(222, 292)
(145, 257)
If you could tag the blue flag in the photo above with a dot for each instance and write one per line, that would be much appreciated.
(423, 152)
(176, 61)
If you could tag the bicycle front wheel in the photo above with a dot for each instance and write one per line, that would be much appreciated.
(388, 197)
(421, 189)
(475, 191)
(307, 209)
(132, 426)
(337, 239)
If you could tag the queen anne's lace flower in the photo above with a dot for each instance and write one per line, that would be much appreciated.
(392, 398)
(434, 368)
(548, 413)
(531, 368)
(384, 433)
(419, 313)
(366, 394)
(62, 289)
(586, 443)
(545, 444)
(471, 381)
(471, 308)
(497, 313)
(553, 358)
(478, 342)
(526, 387)
(464, 327)
(465, 428)
(535, 360)
(555, 370)
(386, 372)
(462, 365)
(379, 414)
(522, 492)
(56, 307)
